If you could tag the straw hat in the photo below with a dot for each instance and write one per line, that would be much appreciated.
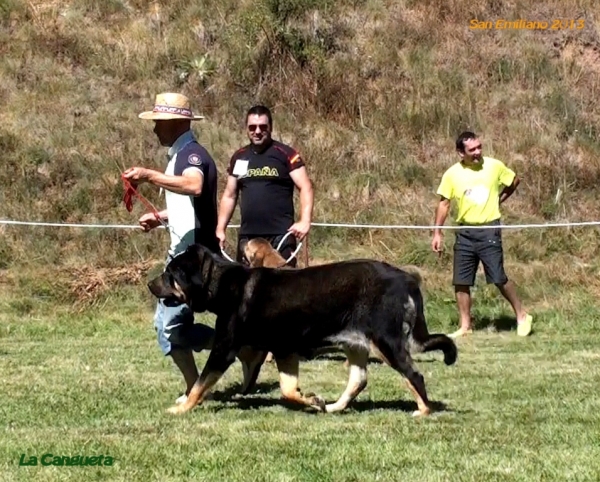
(169, 106)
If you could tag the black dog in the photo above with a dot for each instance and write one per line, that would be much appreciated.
(359, 305)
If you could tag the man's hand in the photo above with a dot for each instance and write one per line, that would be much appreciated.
(149, 221)
(221, 236)
(509, 190)
(138, 175)
(300, 229)
(437, 244)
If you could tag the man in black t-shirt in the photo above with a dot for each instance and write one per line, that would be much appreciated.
(265, 173)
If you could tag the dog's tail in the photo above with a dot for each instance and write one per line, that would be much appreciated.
(438, 341)
(422, 341)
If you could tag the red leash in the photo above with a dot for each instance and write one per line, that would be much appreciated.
(128, 198)
(131, 193)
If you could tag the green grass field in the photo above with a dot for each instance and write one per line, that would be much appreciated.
(96, 384)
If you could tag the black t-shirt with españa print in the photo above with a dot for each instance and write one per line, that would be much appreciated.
(266, 188)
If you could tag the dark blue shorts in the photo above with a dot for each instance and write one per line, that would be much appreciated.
(473, 245)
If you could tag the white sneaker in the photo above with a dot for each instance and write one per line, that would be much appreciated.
(181, 399)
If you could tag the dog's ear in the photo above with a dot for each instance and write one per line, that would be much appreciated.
(182, 267)
(199, 272)
(181, 276)
(243, 243)
(249, 252)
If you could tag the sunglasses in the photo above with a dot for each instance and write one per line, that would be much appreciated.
(262, 127)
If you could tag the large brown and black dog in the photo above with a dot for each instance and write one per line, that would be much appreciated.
(360, 305)
(260, 253)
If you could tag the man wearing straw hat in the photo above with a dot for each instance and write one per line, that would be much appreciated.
(265, 173)
(190, 186)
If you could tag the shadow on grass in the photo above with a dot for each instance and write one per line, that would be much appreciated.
(231, 398)
(233, 392)
(400, 405)
(500, 323)
(407, 406)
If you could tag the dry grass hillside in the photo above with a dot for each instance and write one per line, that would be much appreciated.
(371, 92)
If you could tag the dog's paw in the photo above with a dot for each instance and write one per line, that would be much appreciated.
(177, 409)
(332, 408)
(318, 402)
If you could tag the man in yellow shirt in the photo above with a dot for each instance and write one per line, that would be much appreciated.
(478, 185)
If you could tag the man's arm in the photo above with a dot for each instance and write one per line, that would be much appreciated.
(163, 215)
(305, 186)
(441, 213)
(149, 221)
(227, 206)
(509, 190)
(307, 198)
(446, 192)
(189, 183)
(228, 202)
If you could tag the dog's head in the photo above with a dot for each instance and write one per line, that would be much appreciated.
(185, 279)
(259, 252)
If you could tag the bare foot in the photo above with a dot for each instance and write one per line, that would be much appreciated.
(461, 332)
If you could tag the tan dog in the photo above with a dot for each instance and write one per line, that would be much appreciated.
(259, 252)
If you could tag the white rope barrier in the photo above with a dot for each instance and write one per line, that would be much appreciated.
(71, 225)
(488, 226)
(331, 225)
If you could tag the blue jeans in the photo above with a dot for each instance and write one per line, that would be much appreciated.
(175, 328)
